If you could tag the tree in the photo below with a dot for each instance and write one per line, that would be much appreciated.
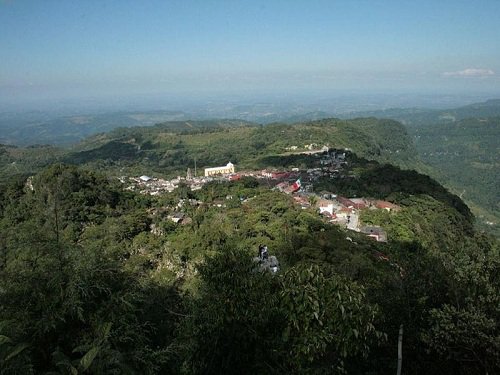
(313, 199)
(328, 321)
(235, 320)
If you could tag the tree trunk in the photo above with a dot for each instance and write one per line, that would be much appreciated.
(400, 349)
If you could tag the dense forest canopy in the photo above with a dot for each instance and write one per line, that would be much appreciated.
(465, 156)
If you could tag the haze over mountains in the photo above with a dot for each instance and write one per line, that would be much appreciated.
(50, 127)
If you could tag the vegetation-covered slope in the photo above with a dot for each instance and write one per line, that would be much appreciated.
(97, 279)
(170, 148)
(163, 149)
(460, 161)
(460, 146)
(26, 160)
(466, 157)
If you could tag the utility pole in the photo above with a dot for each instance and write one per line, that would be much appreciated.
(400, 349)
(195, 166)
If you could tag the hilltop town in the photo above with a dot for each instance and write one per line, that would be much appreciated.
(299, 183)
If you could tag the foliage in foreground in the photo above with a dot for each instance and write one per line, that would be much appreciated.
(86, 287)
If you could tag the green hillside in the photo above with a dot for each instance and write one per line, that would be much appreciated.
(459, 146)
(26, 160)
(466, 157)
(167, 149)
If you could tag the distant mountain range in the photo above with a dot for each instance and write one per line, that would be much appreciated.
(41, 128)
(421, 116)
(38, 128)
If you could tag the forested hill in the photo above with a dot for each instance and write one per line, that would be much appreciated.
(170, 149)
(414, 117)
(466, 157)
(460, 145)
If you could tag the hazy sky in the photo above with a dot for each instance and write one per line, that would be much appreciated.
(72, 48)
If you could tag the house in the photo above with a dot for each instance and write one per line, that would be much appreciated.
(301, 200)
(375, 232)
(328, 195)
(275, 175)
(359, 203)
(145, 178)
(282, 186)
(311, 146)
(384, 205)
(345, 202)
(331, 218)
(326, 206)
(219, 203)
(342, 216)
(280, 175)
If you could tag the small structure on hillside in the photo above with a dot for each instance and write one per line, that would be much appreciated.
(359, 203)
(177, 217)
(384, 205)
(375, 232)
(325, 205)
(345, 202)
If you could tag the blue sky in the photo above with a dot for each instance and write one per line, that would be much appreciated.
(72, 48)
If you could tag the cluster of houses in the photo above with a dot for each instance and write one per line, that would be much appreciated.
(310, 148)
(334, 209)
(345, 211)
(158, 186)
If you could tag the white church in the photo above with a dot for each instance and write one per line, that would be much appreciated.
(227, 169)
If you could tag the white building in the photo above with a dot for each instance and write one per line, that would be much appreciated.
(227, 169)
(326, 206)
